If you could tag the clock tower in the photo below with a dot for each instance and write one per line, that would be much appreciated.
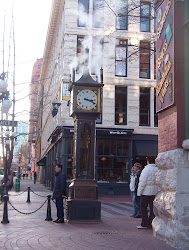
(85, 108)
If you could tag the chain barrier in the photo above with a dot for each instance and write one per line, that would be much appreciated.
(37, 194)
(18, 194)
(29, 212)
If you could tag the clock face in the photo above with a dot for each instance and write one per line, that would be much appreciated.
(87, 99)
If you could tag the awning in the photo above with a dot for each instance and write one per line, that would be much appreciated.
(42, 162)
(55, 133)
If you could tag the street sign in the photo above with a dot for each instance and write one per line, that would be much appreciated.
(8, 123)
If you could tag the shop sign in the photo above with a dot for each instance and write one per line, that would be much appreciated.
(165, 55)
(65, 91)
(8, 123)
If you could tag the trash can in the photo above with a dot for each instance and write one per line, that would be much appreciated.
(17, 185)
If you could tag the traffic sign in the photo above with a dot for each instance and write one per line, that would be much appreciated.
(8, 123)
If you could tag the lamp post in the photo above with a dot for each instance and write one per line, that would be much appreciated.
(6, 105)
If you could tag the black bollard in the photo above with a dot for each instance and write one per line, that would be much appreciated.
(5, 211)
(48, 218)
(28, 199)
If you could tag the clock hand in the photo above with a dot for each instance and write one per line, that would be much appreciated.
(89, 100)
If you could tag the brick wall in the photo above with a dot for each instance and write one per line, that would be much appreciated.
(167, 130)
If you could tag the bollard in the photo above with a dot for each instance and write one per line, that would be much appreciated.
(48, 218)
(28, 199)
(5, 211)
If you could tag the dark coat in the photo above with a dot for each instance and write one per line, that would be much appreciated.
(137, 181)
(60, 186)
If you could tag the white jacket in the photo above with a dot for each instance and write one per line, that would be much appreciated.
(147, 182)
(132, 182)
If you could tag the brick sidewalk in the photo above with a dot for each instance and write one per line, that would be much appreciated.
(33, 232)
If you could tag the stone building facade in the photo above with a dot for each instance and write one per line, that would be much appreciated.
(120, 39)
(33, 128)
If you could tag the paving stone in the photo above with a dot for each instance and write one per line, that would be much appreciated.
(117, 230)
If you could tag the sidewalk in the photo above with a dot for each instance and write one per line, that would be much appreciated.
(33, 232)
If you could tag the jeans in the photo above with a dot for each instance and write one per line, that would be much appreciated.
(145, 202)
(134, 205)
(60, 209)
(137, 204)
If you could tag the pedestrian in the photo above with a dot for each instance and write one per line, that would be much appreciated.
(136, 197)
(132, 189)
(147, 189)
(59, 192)
(23, 174)
(34, 177)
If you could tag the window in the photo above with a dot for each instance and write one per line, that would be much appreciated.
(145, 16)
(98, 13)
(112, 160)
(69, 145)
(97, 55)
(83, 13)
(120, 105)
(122, 15)
(155, 114)
(121, 59)
(144, 60)
(144, 112)
(80, 40)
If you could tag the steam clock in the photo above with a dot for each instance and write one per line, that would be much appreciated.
(85, 108)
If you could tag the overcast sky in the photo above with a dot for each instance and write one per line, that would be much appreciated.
(30, 18)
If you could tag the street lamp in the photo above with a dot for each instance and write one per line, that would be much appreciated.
(6, 105)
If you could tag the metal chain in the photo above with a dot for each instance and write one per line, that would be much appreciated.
(18, 194)
(29, 212)
(37, 194)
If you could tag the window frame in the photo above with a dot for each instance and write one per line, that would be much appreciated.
(121, 15)
(122, 44)
(121, 90)
(99, 24)
(86, 10)
(144, 109)
(144, 18)
(144, 63)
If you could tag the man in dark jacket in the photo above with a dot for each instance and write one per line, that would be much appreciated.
(59, 193)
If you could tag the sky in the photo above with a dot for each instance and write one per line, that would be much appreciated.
(30, 18)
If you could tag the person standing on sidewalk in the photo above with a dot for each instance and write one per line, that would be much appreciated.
(34, 177)
(59, 193)
(137, 198)
(147, 189)
(132, 189)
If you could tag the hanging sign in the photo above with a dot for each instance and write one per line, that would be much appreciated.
(165, 56)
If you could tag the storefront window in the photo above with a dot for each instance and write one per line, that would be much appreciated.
(112, 165)
(69, 159)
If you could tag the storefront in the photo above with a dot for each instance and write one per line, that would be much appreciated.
(116, 151)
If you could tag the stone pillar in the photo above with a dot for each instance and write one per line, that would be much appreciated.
(171, 205)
